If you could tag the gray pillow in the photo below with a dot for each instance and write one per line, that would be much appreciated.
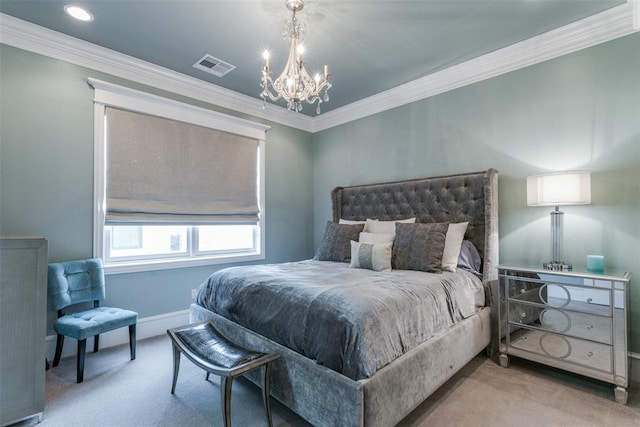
(469, 258)
(336, 242)
(419, 246)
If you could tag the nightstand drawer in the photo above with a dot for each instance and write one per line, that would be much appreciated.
(563, 348)
(562, 296)
(574, 324)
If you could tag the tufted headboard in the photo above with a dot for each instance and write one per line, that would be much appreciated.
(469, 197)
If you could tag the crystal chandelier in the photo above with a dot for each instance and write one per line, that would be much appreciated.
(294, 84)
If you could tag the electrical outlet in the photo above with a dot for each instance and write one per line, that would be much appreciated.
(194, 292)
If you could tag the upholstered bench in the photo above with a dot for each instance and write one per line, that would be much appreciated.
(208, 349)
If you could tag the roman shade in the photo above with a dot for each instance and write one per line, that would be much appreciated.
(161, 170)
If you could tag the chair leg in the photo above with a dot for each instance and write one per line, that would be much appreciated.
(132, 341)
(265, 392)
(59, 344)
(176, 367)
(96, 341)
(225, 394)
(82, 346)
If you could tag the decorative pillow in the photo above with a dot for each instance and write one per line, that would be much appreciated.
(452, 245)
(370, 256)
(351, 222)
(419, 246)
(385, 227)
(365, 223)
(335, 242)
(375, 238)
(470, 258)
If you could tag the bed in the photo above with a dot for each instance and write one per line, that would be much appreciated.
(356, 385)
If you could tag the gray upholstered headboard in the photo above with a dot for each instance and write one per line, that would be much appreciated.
(469, 197)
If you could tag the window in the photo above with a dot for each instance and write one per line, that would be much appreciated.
(175, 185)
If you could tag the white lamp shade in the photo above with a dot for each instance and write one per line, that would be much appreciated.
(559, 188)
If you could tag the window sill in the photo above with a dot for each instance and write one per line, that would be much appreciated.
(166, 264)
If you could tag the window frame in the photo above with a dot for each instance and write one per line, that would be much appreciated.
(109, 94)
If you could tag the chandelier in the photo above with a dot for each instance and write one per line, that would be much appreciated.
(294, 84)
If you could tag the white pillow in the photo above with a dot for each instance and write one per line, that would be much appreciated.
(370, 256)
(375, 238)
(350, 222)
(365, 223)
(452, 245)
(384, 227)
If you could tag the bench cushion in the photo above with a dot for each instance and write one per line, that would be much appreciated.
(207, 344)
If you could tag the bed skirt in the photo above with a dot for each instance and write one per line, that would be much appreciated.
(326, 398)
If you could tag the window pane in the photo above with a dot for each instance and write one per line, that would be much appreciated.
(226, 237)
(148, 240)
(126, 238)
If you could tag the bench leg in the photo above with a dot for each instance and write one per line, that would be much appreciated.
(96, 340)
(176, 367)
(265, 391)
(225, 394)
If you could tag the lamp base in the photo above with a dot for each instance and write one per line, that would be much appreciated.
(557, 266)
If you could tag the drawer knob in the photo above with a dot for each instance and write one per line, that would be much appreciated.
(589, 300)
(523, 315)
(590, 327)
(590, 354)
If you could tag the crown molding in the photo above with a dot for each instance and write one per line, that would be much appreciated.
(24, 35)
(605, 26)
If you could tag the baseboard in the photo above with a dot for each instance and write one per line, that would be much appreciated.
(147, 327)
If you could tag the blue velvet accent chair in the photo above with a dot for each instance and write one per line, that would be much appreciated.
(82, 281)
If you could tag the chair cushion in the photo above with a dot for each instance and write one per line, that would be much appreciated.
(87, 323)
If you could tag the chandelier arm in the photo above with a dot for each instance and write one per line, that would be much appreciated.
(266, 92)
(270, 96)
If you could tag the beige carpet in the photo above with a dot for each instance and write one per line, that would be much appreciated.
(119, 392)
(525, 394)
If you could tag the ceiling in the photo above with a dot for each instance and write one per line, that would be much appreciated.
(370, 45)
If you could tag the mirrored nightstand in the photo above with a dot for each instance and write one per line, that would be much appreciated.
(573, 320)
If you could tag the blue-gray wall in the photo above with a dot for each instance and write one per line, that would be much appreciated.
(580, 111)
(46, 178)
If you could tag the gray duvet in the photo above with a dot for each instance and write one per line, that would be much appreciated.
(351, 320)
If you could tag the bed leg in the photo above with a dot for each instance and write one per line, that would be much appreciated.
(489, 351)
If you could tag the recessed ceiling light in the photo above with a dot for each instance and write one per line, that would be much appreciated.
(78, 13)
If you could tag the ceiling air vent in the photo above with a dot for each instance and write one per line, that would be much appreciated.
(213, 65)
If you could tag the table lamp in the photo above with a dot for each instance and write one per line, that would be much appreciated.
(555, 189)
